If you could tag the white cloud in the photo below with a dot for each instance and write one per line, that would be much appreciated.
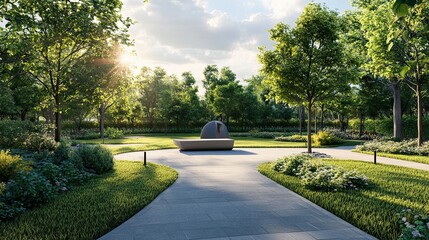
(285, 9)
(187, 35)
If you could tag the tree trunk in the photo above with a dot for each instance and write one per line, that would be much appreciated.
(315, 120)
(23, 115)
(322, 117)
(57, 126)
(309, 128)
(397, 115)
(102, 111)
(419, 113)
(58, 122)
(361, 124)
(300, 119)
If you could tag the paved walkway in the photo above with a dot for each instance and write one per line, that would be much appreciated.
(220, 195)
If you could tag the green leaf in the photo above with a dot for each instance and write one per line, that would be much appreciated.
(390, 46)
(404, 71)
(405, 35)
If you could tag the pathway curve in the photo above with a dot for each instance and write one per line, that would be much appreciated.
(220, 195)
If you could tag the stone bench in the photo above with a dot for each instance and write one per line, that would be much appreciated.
(204, 144)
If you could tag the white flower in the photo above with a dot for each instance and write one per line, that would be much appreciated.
(416, 233)
(404, 219)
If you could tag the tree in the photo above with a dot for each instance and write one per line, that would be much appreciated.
(305, 61)
(61, 33)
(412, 31)
(375, 19)
(227, 98)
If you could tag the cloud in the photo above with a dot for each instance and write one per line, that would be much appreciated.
(187, 35)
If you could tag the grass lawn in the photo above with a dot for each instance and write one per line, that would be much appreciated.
(90, 211)
(372, 210)
(162, 141)
(411, 158)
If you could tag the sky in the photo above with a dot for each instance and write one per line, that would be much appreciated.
(188, 35)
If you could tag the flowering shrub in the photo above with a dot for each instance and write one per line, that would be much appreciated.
(319, 176)
(413, 225)
(325, 138)
(291, 165)
(332, 178)
(403, 147)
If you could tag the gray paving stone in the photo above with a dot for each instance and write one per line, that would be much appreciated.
(220, 195)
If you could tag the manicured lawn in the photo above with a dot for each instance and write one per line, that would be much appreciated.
(90, 211)
(411, 158)
(372, 210)
(162, 141)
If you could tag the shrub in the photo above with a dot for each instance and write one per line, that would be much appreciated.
(414, 225)
(88, 136)
(330, 178)
(402, 147)
(39, 142)
(62, 153)
(293, 138)
(2, 187)
(29, 188)
(10, 165)
(114, 133)
(325, 138)
(97, 159)
(53, 174)
(318, 176)
(291, 165)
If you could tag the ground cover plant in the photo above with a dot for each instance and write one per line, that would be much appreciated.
(375, 209)
(40, 177)
(315, 174)
(96, 207)
(404, 150)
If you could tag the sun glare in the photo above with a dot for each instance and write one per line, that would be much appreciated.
(130, 60)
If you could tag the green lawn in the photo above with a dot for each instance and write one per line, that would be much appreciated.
(372, 210)
(162, 141)
(90, 211)
(411, 158)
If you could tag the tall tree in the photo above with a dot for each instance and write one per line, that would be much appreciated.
(411, 28)
(376, 20)
(305, 61)
(61, 33)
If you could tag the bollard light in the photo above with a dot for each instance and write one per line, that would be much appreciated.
(375, 157)
(144, 163)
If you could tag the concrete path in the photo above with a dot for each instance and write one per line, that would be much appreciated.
(220, 195)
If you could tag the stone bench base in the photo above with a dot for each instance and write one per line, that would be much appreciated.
(204, 144)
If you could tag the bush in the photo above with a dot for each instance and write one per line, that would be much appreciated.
(291, 165)
(97, 159)
(62, 153)
(293, 138)
(26, 135)
(323, 138)
(39, 142)
(318, 176)
(88, 136)
(402, 147)
(414, 225)
(53, 174)
(332, 178)
(29, 188)
(114, 133)
(10, 165)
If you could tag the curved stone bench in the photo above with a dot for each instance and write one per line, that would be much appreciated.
(204, 144)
